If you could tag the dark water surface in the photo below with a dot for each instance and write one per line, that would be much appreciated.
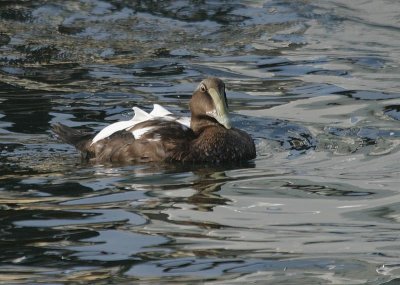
(316, 83)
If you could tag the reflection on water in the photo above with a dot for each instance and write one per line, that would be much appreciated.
(315, 83)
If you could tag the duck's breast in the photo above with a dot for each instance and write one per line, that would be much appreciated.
(217, 144)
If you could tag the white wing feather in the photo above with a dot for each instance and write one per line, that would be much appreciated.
(184, 121)
(140, 132)
(113, 128)
(140, 116)
(159, 111)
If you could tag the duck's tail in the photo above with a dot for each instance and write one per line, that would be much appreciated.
(71, 136)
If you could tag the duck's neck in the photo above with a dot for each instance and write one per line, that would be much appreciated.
(198, 124)
(198, 109)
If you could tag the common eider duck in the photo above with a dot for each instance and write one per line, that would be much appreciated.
(206, 137)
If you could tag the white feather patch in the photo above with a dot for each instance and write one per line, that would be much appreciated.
(158, 112)
(140, 115)
(113, 128)
(140, 132)
(185, 121)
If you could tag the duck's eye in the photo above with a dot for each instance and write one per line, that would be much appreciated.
(203, 88)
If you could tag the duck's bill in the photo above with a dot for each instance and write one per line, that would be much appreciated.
(221, 113)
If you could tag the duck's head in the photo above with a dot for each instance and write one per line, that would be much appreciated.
(209, 105)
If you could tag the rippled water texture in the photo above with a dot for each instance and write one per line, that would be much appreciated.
(316, 83)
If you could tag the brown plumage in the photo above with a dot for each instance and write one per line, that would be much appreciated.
(210, 138)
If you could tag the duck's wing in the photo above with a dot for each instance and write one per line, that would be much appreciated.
(111, 129)
(149, 141)
(140, 116)
(162, 139)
